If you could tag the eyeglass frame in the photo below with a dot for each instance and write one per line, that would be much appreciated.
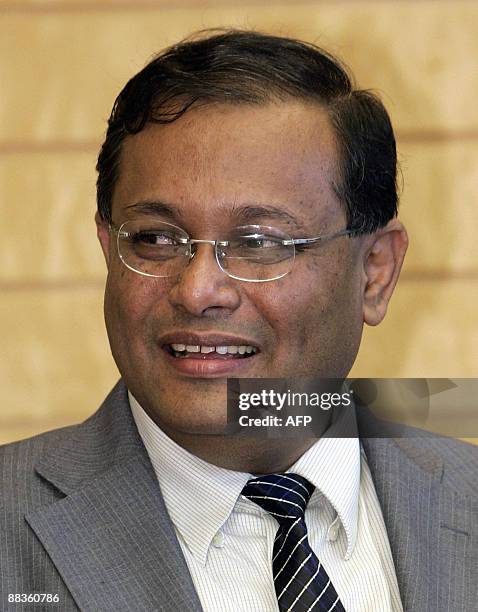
(216, 243)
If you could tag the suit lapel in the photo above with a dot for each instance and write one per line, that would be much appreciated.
(111, 538)
(432, 529)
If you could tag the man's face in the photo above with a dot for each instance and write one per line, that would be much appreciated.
(215, 168)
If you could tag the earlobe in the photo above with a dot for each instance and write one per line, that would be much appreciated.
(104, 235)
(382, 265)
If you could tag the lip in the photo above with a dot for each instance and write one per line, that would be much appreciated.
(208, 368)
(210, 339)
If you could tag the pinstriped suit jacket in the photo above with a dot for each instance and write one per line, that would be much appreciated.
(81, 516)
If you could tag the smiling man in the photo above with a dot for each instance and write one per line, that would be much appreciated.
(247, 214)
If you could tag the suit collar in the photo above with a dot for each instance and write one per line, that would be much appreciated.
(110, 536)
(95, 446)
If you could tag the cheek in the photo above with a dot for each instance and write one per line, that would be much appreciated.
(316, 316)
(291, 306)
(128, 301)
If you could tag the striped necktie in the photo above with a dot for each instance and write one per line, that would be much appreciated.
(301, 583)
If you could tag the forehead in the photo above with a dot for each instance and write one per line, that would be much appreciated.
(217, 159)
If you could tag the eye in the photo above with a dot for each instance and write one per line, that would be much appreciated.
(155, 238)
(260, 242)
(264, 243)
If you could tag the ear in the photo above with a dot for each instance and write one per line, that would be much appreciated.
(104, 236)
(382, 265)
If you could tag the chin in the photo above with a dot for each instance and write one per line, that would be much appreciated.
(205, 418)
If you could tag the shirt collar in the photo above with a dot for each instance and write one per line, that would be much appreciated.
(332, 465)
(199, 496)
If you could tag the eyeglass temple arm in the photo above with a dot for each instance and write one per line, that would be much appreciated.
(317, 239)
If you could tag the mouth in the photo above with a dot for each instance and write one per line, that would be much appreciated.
(206, 352)
(209, 355)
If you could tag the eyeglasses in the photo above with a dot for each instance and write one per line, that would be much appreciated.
(251, 253)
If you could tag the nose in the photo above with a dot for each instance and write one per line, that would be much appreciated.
(203, 289)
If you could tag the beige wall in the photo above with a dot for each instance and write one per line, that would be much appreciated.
(61, 65)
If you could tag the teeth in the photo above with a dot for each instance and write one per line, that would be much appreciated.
(178, 347)
(208, 349)
(221, 350)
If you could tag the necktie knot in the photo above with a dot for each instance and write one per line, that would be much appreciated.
(284, 496)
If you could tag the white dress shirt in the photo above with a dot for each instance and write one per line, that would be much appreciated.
(227, 540)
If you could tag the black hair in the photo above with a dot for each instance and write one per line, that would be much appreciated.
(246, 67)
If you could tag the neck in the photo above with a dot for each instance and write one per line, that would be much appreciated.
(252, 455)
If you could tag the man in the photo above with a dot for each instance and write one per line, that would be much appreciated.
(247, 214)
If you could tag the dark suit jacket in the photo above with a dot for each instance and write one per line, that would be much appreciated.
(82, 516)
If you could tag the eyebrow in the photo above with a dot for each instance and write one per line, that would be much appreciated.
(254, 212)
(155, 207)
(242, 214)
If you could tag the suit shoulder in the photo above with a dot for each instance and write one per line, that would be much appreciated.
(460, 462)
(18, 460)
(30, 449)
(452, 450)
